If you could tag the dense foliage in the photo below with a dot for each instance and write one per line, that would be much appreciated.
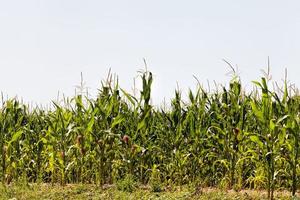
(226, 138)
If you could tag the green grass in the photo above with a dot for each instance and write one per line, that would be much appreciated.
(88, 191)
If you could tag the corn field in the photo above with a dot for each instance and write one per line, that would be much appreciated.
(221, 138)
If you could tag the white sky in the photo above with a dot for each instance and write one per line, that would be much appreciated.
(44, 45)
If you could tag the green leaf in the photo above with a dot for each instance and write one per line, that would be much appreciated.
(281, 136)
(258, 113)
(255, 138)
(272, 125)
(141, 125)
(90, 125)
(44, 140)
(257, 83)
(131, 98)
(264, 83)
(119, 119)
(16, 136)
(282, 119)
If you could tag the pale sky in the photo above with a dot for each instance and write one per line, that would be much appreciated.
(44, 45)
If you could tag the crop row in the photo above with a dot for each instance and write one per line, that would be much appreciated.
(226, 138)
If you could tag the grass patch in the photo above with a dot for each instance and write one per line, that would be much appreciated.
(128, 184)
(88, 191)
